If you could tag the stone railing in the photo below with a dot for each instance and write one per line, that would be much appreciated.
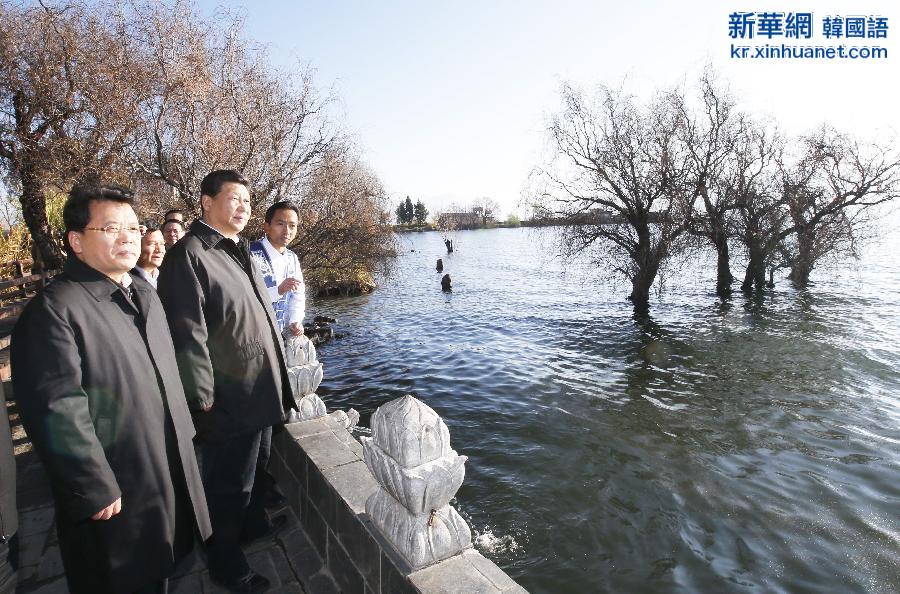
(378, 512)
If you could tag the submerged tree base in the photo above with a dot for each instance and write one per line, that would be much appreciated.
(333, 282)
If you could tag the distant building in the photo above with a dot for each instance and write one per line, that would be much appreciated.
(462, 220)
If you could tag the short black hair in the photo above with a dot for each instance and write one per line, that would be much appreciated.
(213, 182)
(176, 221)
(77, 210)
(172, 211)
(281, 205)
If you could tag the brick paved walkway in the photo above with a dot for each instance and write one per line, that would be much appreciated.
(289, 561)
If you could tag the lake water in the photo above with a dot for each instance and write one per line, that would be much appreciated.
(737, 446)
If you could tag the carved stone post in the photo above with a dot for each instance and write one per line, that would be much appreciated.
(418, 473)
(305, 373)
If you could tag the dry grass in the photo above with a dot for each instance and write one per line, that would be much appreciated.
(14, 245)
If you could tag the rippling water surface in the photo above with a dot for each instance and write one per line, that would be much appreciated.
(737, 446)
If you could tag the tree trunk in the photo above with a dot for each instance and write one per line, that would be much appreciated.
(755, 276)
(724, 277)
(647, 264)
(802, 265)
(34, 213)
(640, 290)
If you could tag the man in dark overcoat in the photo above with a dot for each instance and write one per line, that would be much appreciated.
(231, 360)
(9, 518)
(96, 382)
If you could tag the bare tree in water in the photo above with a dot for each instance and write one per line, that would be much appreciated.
(715, 136)
(753, 185)
(618, 172)
(828, 195)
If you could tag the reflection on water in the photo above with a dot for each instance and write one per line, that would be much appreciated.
(745, 445)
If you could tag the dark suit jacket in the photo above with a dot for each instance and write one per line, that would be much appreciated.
(230, 353)
(100, 398)
(9, 518)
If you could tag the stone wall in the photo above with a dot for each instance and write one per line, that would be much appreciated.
(320, 467)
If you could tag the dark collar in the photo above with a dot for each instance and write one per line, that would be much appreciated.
(100, 286)
(144, 291)
(209, 236)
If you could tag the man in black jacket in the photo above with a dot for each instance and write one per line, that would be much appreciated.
(9, 518)
(231, 361)
(96, 382)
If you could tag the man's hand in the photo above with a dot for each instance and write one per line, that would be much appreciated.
(109, 511)
(296, 328)
(289, 284)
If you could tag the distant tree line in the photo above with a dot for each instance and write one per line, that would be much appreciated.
(153, 95)
(642, 184)
(407, 212)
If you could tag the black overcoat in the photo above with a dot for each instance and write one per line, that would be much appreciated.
(230, 353)
(9, 519)
(100, 398)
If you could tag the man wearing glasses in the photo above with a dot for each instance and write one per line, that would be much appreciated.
(172, 231)
(231, 360)
(96, 382)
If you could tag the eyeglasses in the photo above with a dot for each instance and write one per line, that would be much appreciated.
(114, 229)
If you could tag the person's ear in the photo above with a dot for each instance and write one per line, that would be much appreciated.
(74, 239)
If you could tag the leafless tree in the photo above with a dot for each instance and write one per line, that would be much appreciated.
(715, 140)
(70, 94)
(345, 231)
(489, 209)
(750, 188)
(220, 104)
(828, 194)
(154, 95)
(618, 172)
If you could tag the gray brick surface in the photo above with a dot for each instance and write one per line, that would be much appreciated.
(344, 571)
(451, 576)
(353, 482)
(325, 450)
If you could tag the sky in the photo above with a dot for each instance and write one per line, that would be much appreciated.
(449, 101)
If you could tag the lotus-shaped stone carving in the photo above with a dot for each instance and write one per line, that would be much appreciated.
(410, 432)
(305, 379)
(421, 488)
(310, 407)
(298, 350)
(420, 540)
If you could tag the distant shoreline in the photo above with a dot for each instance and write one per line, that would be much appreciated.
(428, 227)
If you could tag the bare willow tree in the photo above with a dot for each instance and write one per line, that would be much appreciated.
(220, 104)
(715, 140)
(748, 186)
(70, 94)
(618, 174)
(828, 195)
(155, 95)
(345, 231)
